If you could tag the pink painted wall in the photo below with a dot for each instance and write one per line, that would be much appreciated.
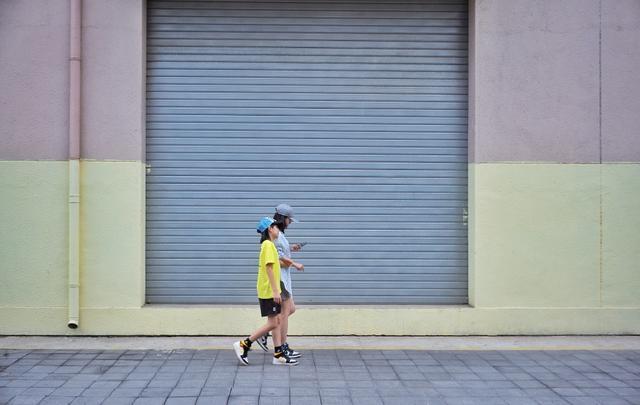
(537, 81)
(539, 73)
(114, 79)
(34, 78)
(621, 81)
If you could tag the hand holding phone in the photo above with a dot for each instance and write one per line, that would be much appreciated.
(297, 246)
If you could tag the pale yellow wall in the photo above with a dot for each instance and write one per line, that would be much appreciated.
(328, 320)
(621, 235)
(471, 233)
(33, 238)
(112, 218)
(555, 235)
(33, 241)
(536, 235)
(518, 213)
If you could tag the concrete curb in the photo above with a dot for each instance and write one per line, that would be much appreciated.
(329, 342)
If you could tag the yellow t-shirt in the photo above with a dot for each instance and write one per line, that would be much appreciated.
(268, 254)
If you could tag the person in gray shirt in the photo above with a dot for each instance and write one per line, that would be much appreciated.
(284, 217)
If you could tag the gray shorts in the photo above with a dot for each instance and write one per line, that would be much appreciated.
(284, 294)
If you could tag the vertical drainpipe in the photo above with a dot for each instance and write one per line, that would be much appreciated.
(75, 58)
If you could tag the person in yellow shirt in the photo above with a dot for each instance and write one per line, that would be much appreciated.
(268, 286)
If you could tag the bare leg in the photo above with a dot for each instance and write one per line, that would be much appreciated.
(273, 323)
(276, 332)
(292, 306)
(284, 322)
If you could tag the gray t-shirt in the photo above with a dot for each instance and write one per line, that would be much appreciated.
(282, 244)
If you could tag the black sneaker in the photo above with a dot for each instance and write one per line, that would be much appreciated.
(282, 359)
(290, 352)
(242, 350)
(263, 342)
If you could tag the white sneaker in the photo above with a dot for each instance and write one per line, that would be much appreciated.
(290, 352)
(284, 360)
(241, 353)
(262, 342)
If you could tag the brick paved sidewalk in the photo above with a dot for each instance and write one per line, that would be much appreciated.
(324, 377)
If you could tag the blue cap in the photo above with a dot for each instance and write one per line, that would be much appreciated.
(264, 223)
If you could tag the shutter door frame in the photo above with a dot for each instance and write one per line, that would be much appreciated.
(365, 102)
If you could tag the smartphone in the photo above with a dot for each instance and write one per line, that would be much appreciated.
(302, 244)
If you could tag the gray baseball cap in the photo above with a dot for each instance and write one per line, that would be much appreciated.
(287, 211)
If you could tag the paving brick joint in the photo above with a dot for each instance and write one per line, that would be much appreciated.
(177, 377)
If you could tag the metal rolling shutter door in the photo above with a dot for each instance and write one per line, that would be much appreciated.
(353, 112)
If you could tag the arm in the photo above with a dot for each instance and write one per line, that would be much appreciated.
(272, 280)
(287, 261)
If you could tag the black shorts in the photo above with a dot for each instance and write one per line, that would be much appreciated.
(268, 307)
(284, 294)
